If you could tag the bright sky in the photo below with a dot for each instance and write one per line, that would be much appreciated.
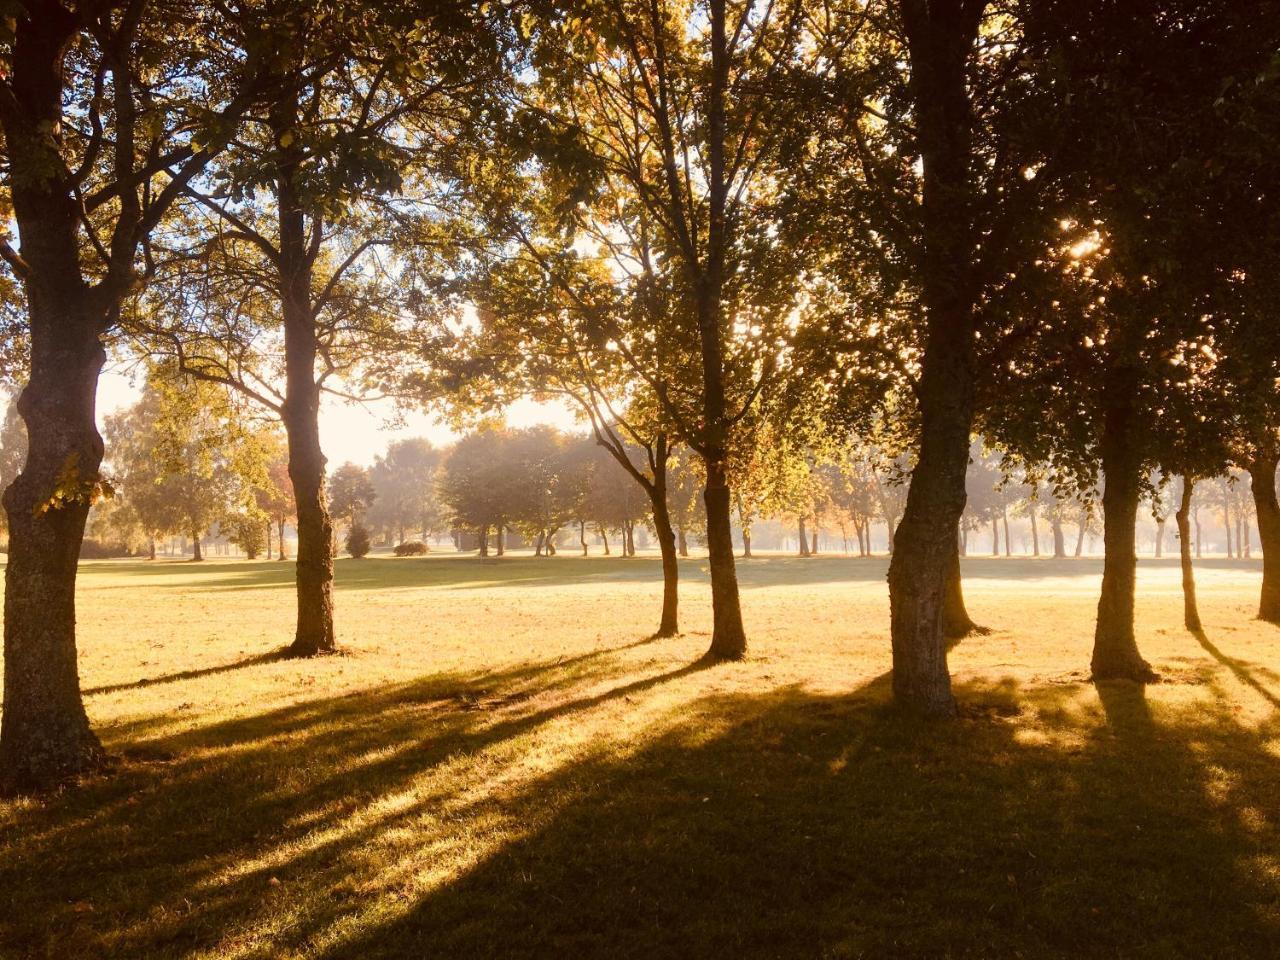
(359, 432)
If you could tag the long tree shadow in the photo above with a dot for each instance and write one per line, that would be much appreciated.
(603, 808)
(255, 661)
(1239, 668)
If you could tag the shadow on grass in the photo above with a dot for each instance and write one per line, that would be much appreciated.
(1240, 668)
(608, 809)
(270, 657)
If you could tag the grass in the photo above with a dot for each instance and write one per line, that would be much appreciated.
(502, 765)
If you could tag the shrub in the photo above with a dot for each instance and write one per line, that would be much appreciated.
(358, 541)
(410, 548)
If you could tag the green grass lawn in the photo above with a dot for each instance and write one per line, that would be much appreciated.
(501, 764)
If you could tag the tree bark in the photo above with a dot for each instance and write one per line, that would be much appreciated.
(682, 541)
(604, 538)
(813, 540)
(1004, 522)
(804, 538)
(1160, 525)
(1190, 611)
(45, 737)
(280, 554)
(301, 408)
(1262, 474)
(500, 539)
(669, 625)
(1115, 648)
(1035, 531)
(955, 615)
(1080, 537)
(1059, 541)
(995, 536)
(196, 553)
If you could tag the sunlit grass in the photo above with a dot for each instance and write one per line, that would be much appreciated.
(502, 765)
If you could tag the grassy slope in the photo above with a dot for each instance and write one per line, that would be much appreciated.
(502, 766)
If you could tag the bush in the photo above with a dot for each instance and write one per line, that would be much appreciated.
(358, 542)
(410, 548)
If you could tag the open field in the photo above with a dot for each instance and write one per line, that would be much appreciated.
(502, 765)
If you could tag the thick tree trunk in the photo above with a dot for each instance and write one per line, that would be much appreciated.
(939, 41)
(804, 538)
(45, 737)
(196, 553)
(1262, 473)
(1190, 611)
(631, 538)
(1115, 648)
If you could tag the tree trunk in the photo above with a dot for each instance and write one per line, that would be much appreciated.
(1004, 522)
(604, 537)
(1190, 611)
(995, 536)
(1035, 531)
(955, 616)
(682, 541)
(1080, 537)
(280, 554)
(669, 625)
(1262, 473)
(630, 538)
(1160, 525)
(939, 41)
(813, 540)
(804, 538)
(582, 536)
(196, 553)
(45, 737)
(151, 547)
(1059, 541)
(484, 541)
(1115, 649)
(728, 637)
(500, 539)
(269, 532)
(301, 408)
(746, 543)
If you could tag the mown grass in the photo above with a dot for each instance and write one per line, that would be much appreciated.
(502, 764)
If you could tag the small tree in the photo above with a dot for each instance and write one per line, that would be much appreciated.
(358, 542)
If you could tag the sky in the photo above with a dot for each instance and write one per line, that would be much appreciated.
(358, 432)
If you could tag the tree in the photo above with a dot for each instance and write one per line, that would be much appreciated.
(352, 493)
(108, 110)
(404, 483)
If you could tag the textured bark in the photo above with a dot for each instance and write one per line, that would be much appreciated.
(1190, 610)
(939, 38)
(1262, 473)
(1115, 648)
(45, 736)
